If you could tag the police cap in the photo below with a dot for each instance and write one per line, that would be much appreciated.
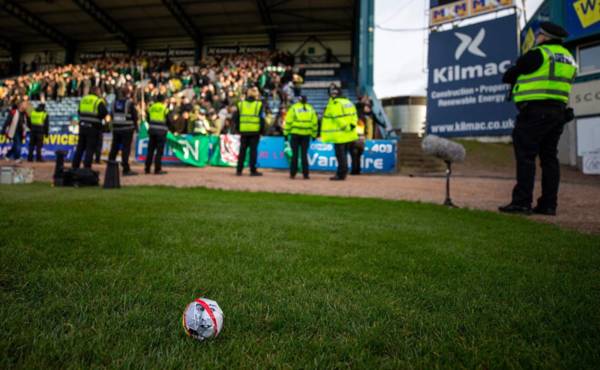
(553, 30)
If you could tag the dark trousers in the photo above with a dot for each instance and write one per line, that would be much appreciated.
(36, 141)
(98, 152)
(299, 144)
(15, 150)
(121, 140)
(537, 132)
(156, 147)
(86, 146)
(341, 154)
(248, 141)
(357, 148)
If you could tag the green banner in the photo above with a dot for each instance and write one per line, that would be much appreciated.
(190, 149)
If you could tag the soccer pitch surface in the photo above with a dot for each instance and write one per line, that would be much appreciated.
(96, 278)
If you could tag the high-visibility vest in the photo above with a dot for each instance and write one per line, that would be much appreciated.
(38, 118)
(249, 112)
(301, 119)
(157, 118)
(552, 81)
(88, 110)
(122, 117)
(339, 122)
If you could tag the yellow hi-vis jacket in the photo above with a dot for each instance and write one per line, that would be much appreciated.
(249, 112)
(552, 81)
(339, 122)
(301, 119)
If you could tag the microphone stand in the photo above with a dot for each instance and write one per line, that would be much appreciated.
(448, 201)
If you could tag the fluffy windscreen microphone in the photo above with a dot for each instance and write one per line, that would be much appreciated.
(446, 150)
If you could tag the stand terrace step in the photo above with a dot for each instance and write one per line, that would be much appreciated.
(320, 73)
(320, 84)
(319, 65)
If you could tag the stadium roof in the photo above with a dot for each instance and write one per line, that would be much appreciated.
(68, 22)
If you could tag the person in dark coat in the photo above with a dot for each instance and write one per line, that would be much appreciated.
(14, 130)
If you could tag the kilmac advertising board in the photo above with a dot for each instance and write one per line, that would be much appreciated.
(466, 96)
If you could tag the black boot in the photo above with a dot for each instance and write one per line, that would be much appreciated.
(515, 208)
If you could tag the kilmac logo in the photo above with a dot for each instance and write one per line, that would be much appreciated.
(460, 72)
(588, 12)
(470, 44)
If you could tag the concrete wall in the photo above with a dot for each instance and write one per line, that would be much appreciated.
(585, 100)
(406, 113)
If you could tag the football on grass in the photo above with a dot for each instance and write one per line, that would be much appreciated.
(203, 319)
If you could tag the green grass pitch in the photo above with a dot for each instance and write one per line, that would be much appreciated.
(97, 278)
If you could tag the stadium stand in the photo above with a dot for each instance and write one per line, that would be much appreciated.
(327, 41)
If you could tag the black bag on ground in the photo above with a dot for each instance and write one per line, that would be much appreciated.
(81, 177)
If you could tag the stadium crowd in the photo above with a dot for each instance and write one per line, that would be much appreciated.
(202, 97)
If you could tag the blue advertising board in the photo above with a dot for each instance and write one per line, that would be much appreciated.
(582, 18)
(52, 143)
(466, 96)
(62, 136)
(379, 155)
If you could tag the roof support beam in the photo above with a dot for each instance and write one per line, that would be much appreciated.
(106, 21)
(30, 19)
(265, 16)
(15, 53)
(344, 26)
(43, 28)
(187, 24)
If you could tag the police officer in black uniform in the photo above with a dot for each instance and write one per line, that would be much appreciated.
(542, 80)
(159, 123)
(124, 123)
(92, 111)
(39, 127)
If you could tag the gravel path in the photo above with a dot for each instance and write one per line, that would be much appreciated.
(579, 203)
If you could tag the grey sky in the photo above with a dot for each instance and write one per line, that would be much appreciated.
(401, 57)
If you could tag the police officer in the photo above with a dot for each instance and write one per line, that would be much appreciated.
(38, 127)
(250, 122)
(124, 123)
(338, 126)
(302, 122)
(159, 124)
(542, 80)
(92, 110)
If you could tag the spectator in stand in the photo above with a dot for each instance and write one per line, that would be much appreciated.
(14, 130)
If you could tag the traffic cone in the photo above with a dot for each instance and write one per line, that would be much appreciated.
(111, 177)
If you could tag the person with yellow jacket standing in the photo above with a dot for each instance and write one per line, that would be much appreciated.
(158, 126)
(302, 122)
(92, 111)
(338, 127)
(542, 80)
(38, 127)
(250, 122)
